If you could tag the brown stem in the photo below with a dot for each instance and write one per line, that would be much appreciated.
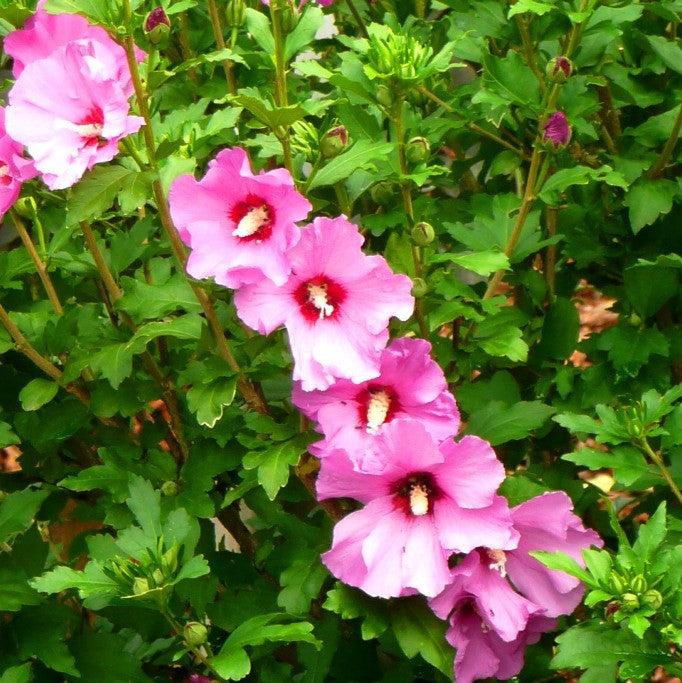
(248, 391)
(220, 42)
(668, 148)
(529, 50)
(550, 255)
(39, 264)
(185, 46)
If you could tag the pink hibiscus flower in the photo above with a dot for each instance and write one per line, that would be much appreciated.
(43, 33)
(336, 305)
(70, 110)
(14, 169)
(429, 501)
(240, 226)
(410, 384)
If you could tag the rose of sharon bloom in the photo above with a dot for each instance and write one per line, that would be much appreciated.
(410, 384)
(556, 130)
(70, 110)
(43, 33)
(335, 305)
(240, 226)
(14, 169)
(498, 601)
(429, 501)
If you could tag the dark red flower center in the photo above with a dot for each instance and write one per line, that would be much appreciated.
(319, 298)
(91, 126)
(416, 493)
(377, 404)
(253, 219)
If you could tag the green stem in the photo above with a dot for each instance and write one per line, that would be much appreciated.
(529, 50)
(668, 148)
(248, 391)
(658, 461)
(406, 192)
(220, 42)
(281, 95)
(358, 18)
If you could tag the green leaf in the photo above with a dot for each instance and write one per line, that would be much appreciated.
(273, 464)
(598, 563)
(98, 11)
(106, 477)
(17, 674)
(419, 631)
(15, 591)
(272, 117)
(258, 25)
(578, 175)
(208, 401)
(106, 657)
(630, 347)
(37, 393)
(143, 301)
(651, 534)
(7, 436)
(301, 582)
(350, 603)
(17, 511)
(669, 52)
(560, 329)
(498, 423)
(649, 287)
(91, 582)
(96, 192)
(649, 199)
(627, 462)
(530, 7)
(563, 563)
(145, 503)
(233, 665)
(481, 263)
(357, 156)
(304, 32)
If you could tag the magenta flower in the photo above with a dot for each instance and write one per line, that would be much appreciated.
(410, 384)
(70, 110)
(44, 33)
(157, 17)
(336, 305)
(481, 653)
(557, 132)
(14, 169)
(240, 226)
(428, 501)
(547, 523)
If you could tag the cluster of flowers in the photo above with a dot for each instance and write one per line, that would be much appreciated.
(68, 106)
(387, 418)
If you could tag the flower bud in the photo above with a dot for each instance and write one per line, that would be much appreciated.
(140, 585)
(169, 488)
(559, 69)
(417, 150)
(234, 13)
(334, 142)
(157, 26)
(169, 561)
(198, 678)
(419, 287)
(383, 192)
(629, 602)
(26, 207)
(652, 598)
(557, 131)
(423, 234)
(617, 583)
(638, 584)
(194, 633)
(384, 96)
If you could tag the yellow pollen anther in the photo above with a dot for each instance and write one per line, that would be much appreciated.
(419, 500)
(317, 295)
(4, 170)
(252, 221)
(499, 561)
(377, 410)
(89, 130)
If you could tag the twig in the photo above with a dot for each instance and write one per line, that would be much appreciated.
(220, 42)
(668, 148)
(658, 461)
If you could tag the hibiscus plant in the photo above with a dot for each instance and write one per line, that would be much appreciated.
(340, 341)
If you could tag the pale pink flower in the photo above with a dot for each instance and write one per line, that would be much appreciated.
(336, 305)
(429, 501)
(410, 384)
(14, 169)
(70, 110)
(240, 226)
(44, 33)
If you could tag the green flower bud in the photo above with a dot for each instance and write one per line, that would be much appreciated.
(334, 142)
(384, 192)
(169, 488)
(157, 26)
(419, 287)
(617, 583)
(140, 585)
(638, 584)
(26, 207)
(194, 633)
(169, 561)
(417, 150)
(158, 578)
(423, 234)
(634, 319)
(559, 69)
(652, 598)
(629, 602)
(234, 13)
(384, 96)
